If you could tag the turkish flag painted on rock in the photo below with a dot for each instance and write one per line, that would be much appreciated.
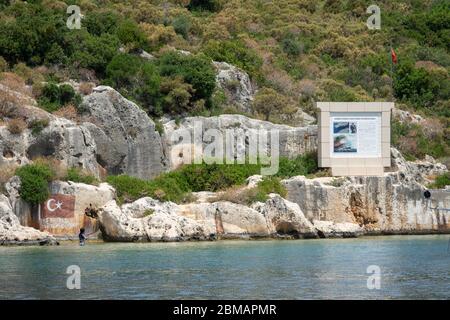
(58, 206)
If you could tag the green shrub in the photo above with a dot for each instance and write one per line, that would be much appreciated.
(300, 166)
(177, 185)
(292, 46)
(208, 5)
(34, 182)
(30, 35)
(441, 181)
(77, 175)
(182, 25)
(271, 185)
(197, 70)
(415, 85)
(131, 35)
(136, 79)
(55, 96)
(101, 22)
(413, 142)
(236, 53)
(92, 52)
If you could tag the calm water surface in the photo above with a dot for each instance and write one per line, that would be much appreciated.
(412, 267)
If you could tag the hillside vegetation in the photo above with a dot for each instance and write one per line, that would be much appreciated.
(296, 51)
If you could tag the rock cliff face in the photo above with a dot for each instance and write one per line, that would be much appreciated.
(62, 139)
(393, 203)
(13, 233)
(125, 136)
(292, 140)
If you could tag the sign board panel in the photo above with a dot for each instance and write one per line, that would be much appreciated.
(355, 135)
(58, 206)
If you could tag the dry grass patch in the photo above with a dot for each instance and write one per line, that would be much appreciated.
(16, 126)
(7, 172)
(69, 112)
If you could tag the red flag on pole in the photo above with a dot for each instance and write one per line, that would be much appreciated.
(394, 56)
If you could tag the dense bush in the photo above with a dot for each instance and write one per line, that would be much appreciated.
(91, 52)
(136, 79)
(31, 34)
(209, 5)
(34, 182)
(268, 102)
(236, 53)
(101, 22)
(77, 175)
(131, 35)
(55, 96)
(197, 70)
(182, 25)
(300, 166)
(177, 185)
(430, 26)
(414, 85)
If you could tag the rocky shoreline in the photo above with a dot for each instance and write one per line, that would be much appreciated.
(115, 136)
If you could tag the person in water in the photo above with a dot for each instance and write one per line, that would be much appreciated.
(82, 237)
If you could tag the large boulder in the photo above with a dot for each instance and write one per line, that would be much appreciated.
(126, 138)
(236, 84)
(13, 233)
(285, 218)
(147, 220)
(228, 220)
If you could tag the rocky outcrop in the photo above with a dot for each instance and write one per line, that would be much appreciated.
(12, 233)
(125, 136)
(407, 117)
(61, 139)
(147, 220)
(285, 218)
(390, 204)
(236, 84)
(75, 198)
(419, 171)
(150, 220)
(292, 140)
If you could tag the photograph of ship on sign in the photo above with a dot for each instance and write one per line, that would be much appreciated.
(344, 137)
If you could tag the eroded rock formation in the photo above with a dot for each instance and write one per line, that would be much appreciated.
(293, 141)
(13, 233)
(125, 137)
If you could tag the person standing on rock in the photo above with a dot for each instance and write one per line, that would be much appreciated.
(82, 237)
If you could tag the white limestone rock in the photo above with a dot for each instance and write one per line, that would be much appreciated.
(12, 233)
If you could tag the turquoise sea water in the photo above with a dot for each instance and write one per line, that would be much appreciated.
(412, 267)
